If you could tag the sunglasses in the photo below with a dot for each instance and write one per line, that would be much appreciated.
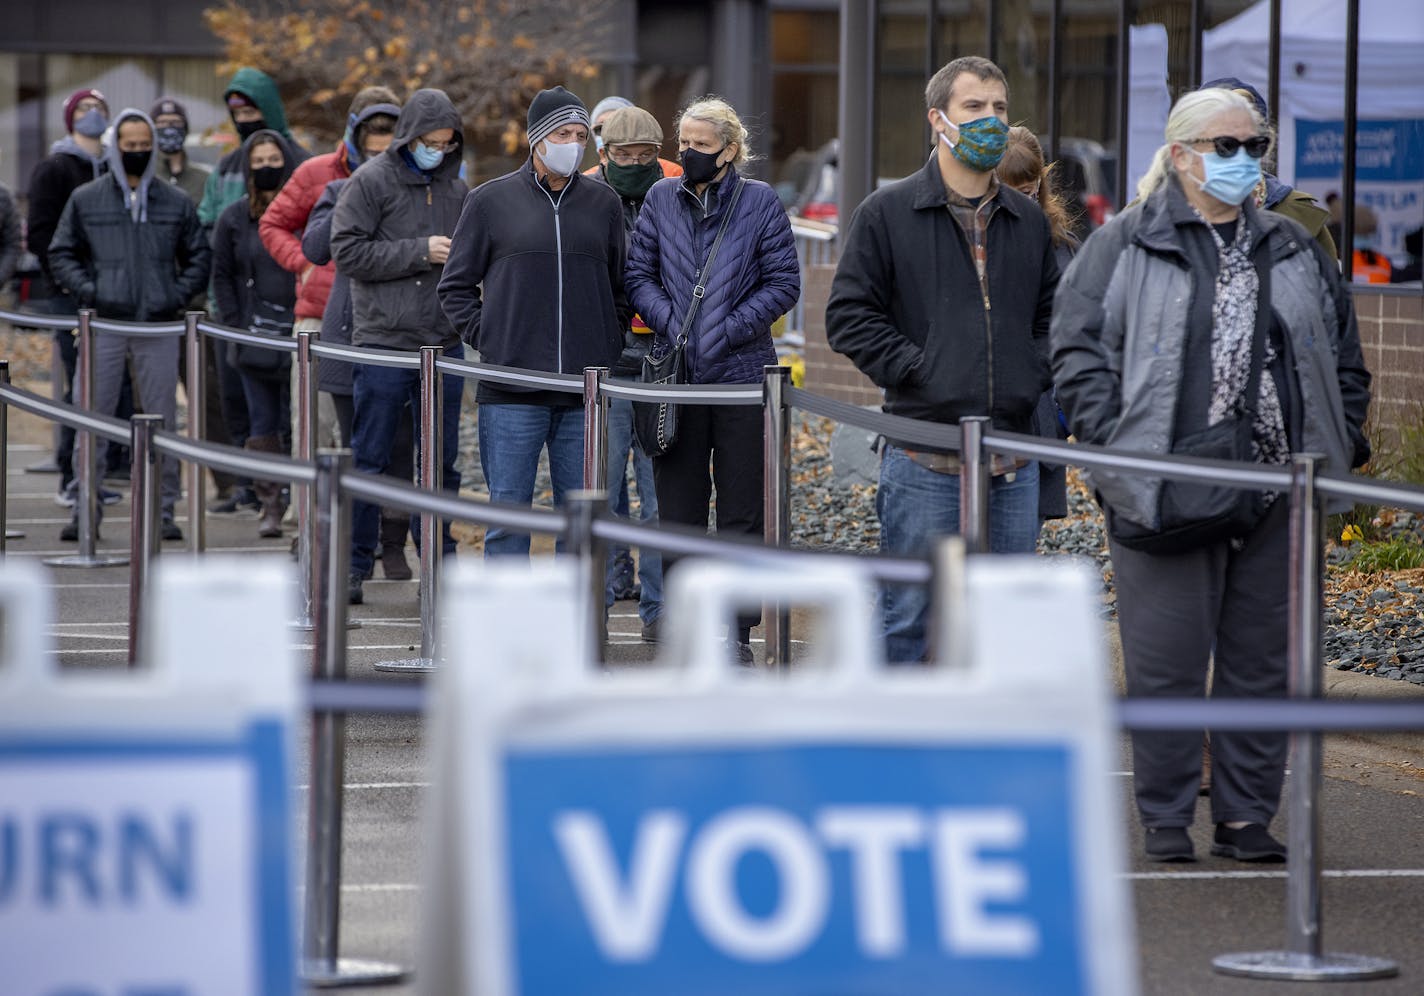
(1226, 145)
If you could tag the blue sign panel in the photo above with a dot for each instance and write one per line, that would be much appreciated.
(827, 869)
(1385, 151)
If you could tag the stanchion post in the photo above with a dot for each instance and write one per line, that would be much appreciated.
(143, 520)
(973, 485)
(305, 402)
(194, 369)
(595, 430)
(583, 508)
(85, 465)
(1304, 958)
(776, 497)
(949, 637)
(321, 932)
(432, 535)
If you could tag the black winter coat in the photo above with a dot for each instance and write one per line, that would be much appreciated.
(54, 179)
(551, 266)
(247, 281)
(907, 308)
(9, 236)
(380, 233)
(140, 271)
(332, 376)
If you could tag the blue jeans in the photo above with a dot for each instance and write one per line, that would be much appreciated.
(511, 439)
(379, 395)
(650, 562)
(915, 505)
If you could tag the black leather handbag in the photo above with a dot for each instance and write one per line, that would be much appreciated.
(655, 422)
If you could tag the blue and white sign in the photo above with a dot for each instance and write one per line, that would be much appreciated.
(695, 830)
(1389, 172)
(145, 819)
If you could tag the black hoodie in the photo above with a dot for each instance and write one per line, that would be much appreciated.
(247, 282)
(380, 233)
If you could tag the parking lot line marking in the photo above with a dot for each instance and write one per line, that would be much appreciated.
(1328, 873)
(380, 887)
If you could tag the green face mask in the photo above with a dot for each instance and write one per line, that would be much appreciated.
(633, 181)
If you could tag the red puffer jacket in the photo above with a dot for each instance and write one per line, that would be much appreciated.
(284, 219)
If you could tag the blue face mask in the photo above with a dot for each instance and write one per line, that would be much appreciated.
(1230, 179)
(981, 142)
(425, 157)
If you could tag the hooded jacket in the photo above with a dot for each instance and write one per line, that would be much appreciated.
(380, 232)
(284, 219)
(907, 307)
(551, 266)
(332, 376)
(133, 254)
(1126, 316)
(9, 236)
(246, 280)
(755, 278)
(55, 178)
(226, 183)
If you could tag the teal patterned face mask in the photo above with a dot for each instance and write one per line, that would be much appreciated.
(981, 142)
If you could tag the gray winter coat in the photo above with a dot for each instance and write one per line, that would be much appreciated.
(380, 233)
(1120, 324)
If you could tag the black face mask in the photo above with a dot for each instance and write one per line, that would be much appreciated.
(246, 129)
(135, 162)
(170, 139)
(700, 167)
(634, 180)
(267, 177)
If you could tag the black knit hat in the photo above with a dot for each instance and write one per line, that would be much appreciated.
(551, 110)
(167, 105)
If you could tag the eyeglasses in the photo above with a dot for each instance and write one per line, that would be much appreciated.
(1226, 145)
(624, 158)
(449, 146)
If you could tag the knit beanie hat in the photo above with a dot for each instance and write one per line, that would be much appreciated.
(167, 105)
(608, 104)
(551, 110)
(632, 126)
(72, 101)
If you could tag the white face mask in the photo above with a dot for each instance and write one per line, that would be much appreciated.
(562, 160)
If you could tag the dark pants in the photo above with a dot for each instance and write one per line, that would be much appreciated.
(381, 394)
(214, 426)
(269, 406)
(1178, 612)
(729, 439)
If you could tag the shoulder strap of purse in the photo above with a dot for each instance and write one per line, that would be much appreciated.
(1262, 263)
(701, 288)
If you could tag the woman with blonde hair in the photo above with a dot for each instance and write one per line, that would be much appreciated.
(754, 278)
(1197, 324)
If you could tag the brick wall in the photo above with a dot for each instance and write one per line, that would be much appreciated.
(1391, 334)
(1392, 337)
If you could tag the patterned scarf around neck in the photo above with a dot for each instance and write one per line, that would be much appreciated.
(1233, 326)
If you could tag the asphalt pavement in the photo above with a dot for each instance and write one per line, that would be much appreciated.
(1373, 848)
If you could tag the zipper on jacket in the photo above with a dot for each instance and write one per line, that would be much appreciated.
(984, 296)
(559, 264)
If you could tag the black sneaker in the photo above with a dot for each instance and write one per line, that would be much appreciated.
(652, 630)
(239, 499)
(1168, 844)
(70, 533)
(1250, 843)
(170, 531)
(354, 594)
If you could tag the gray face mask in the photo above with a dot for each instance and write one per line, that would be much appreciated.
(91, 123)
(562, 160)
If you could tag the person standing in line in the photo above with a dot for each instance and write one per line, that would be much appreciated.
(252, 291)
(942, 297)
(171, 119)
(1023, 168)
(631, 140)
(74, 160)
(370, 128)
(132, 249)
(754, 280)
(10, 237)
(1167, 317)
(535, 280)
(600, 114)
(390, 234)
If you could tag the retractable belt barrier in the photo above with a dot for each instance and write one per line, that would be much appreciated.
(146, 832)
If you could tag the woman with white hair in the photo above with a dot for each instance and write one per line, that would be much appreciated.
(753, 280)
(1196, 324)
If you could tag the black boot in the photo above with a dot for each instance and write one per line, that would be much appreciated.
(393, 533)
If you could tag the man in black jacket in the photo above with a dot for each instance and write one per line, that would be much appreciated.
(390, 234)
(943, 297)
(547, 245)
(132, 249)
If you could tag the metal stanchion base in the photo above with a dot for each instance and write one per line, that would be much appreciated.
(413, 665)
(14, 534)
(79, 560)
(1292, 966)
(352, 972)
(43, 467)
(306, 625)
